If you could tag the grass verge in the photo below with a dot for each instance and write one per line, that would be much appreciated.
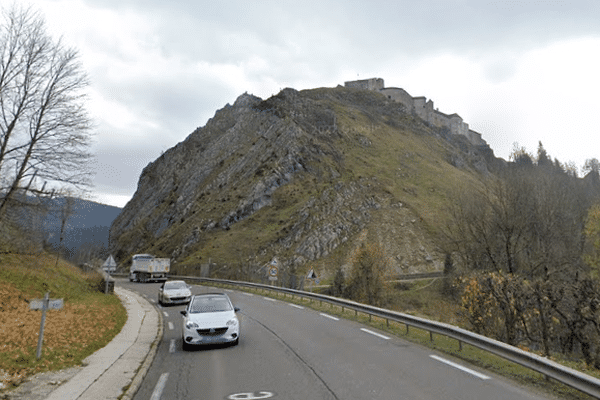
(88, 320)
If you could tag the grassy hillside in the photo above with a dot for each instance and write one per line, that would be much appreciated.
(304, 176)
(86, 323)
(403, 162)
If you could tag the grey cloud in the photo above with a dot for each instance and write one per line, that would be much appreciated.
(358, 31)
(309, 43)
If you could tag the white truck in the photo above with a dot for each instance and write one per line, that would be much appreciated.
(147, 268)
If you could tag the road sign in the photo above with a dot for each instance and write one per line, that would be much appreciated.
(53, 304)
(273, 272)
(109, 265)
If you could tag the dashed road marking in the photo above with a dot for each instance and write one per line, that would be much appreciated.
(250, 396)
(166, 314)
(248, 294)
(160, 386)
(172, 347)
(330, 317)
(297, 306)
(268, 298)
(375, 333)
(171, 327)
(458, 366)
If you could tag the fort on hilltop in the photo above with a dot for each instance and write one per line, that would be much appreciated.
(421, 107)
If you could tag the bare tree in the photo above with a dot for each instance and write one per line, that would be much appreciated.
(65, 212)
(527, 220)
(44, 127)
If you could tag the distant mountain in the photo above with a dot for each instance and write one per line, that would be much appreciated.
(86, 222)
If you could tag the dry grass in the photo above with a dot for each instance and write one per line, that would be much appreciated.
(86, 323)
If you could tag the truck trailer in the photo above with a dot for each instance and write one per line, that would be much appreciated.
(147, 268)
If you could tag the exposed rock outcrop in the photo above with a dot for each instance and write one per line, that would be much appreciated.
(298, 176)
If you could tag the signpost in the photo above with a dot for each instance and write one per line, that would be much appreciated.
(273, 272)
(44, 304)
(109, 265)
(312, 278)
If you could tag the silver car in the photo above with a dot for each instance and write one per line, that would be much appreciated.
(210, 319)
(174, 292)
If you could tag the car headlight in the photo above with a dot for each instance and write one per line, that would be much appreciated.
(191, 325)
(232, 322)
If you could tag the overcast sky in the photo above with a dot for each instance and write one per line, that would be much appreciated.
(515, 71)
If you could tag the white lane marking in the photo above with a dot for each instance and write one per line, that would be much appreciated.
(268, 298)
(330, 317)
(152, 300)
(458, 366)
(375, 333)
(171, 327)
(250, 396)
(172, 347)
(166, 314)
(297, 306)
(248, 294)
(160, 386)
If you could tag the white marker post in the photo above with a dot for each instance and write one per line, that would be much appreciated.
(44, 304)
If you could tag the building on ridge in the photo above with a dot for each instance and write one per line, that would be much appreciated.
(421, 107)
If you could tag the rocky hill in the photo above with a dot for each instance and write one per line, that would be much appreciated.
(304, 176)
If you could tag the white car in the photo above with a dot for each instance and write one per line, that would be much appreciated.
(210, 319)
(174, 292)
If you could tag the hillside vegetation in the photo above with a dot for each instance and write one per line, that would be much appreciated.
(304, 177)
(86, 323)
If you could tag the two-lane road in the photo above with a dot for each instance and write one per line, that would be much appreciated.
(290, 352)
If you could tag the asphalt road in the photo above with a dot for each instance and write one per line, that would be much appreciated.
(287, 352)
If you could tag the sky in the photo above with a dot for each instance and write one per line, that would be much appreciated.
(518, 72)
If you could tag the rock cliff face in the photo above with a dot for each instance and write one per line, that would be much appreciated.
(304, 177)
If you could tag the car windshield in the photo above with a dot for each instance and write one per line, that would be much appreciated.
(175, 285)
(206, 304)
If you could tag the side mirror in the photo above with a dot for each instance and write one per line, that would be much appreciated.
(236, 309)
(184, 313)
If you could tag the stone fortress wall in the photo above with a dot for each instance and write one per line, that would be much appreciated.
(420, 106)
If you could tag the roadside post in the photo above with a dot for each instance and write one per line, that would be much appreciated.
(44, 304)
(109, 266)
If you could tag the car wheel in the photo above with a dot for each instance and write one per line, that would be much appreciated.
(184, 345)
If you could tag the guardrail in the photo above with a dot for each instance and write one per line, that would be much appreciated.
(568, 376)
